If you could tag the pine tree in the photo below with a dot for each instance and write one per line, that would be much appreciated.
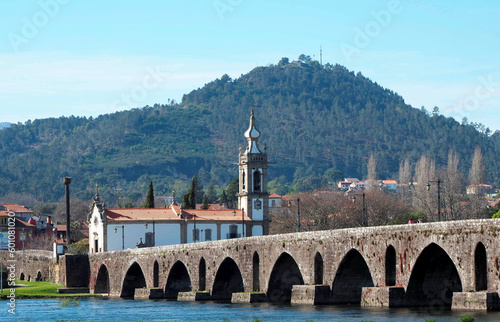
(189, 199)
(150, 197)
(211, 194)
(223, 198)
(204, 206)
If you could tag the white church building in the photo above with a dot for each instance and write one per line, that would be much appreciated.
(117, 229)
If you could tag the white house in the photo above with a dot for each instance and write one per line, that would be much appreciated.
(116, 229)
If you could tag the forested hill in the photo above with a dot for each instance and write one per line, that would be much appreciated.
(319, 122)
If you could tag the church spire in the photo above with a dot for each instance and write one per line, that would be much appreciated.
(252, 135)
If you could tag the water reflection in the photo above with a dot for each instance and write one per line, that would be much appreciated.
(158, 310)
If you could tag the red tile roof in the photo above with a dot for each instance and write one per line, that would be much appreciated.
(224, 215)
(141, 214)
(15, 208)
(160, 214)
(274, 195)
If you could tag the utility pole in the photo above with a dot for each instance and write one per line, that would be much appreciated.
(67, 181)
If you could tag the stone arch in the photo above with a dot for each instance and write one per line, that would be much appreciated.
(318, 269)
(178, 281)
(29, 278)
(102, 280)
(352, 275)
(156, 274)
(480, 268)
(390, 266)
(228, 280)
(39, 277)
(202, 275)
(22, 277)
(256, 272)
(134, 278)
(433, 279)
(284, 275)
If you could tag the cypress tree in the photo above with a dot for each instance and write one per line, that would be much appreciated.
(189, 199)
(205, 203)
(150, 197)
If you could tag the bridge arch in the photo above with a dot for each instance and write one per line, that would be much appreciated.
(102, 281)
(352, 275)
(318, 269)
(433, 279)
(134, 278)
(156, 274)
(228, 280)
(255, 272)
(390, 266)
(284, 275)
(202, 275)
(480, 267)
(178, 280)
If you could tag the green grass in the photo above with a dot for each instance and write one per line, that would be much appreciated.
(40, 290)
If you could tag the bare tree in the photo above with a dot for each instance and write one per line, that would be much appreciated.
(425, 171)
(452, 189)
(372, 170)
(405, 179)
(477, 173)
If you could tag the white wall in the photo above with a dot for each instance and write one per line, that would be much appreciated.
(258, 214)
(201, 228)
(96, 226)
(257, 230)
(166, 234)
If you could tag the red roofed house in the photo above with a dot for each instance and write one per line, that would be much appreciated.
(116, 229)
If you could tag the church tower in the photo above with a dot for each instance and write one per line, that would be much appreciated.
(253, 197)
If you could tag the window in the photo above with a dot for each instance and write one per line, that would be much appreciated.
(233, 231)
(243, 179)
(208, 234)
(256, 181)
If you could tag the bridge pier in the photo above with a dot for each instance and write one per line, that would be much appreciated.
(193, 296)
(480, 301)
(248, 298)
(388, 296)
(311, 294)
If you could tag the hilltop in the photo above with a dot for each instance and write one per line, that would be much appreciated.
(319, 123)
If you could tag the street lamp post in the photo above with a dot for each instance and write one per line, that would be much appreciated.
(242, 222)
(428, 186)
(298, 212)
(363, 218)
(123, 234)
(154, 234)
(187, 227)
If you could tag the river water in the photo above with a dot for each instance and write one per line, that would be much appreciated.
(97, 309)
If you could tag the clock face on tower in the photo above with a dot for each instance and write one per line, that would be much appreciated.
(257, 204)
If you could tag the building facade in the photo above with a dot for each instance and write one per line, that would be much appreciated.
(117, 229)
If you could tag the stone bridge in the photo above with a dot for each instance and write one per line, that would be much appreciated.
(445, 264)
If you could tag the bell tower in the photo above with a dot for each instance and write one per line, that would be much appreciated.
(253, 197)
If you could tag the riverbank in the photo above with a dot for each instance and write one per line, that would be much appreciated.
(36, 290)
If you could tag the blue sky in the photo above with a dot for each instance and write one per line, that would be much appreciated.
(83, 58)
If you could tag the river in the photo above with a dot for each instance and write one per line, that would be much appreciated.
(96, 309)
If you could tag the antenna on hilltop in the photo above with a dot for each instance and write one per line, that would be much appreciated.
(320, 55)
